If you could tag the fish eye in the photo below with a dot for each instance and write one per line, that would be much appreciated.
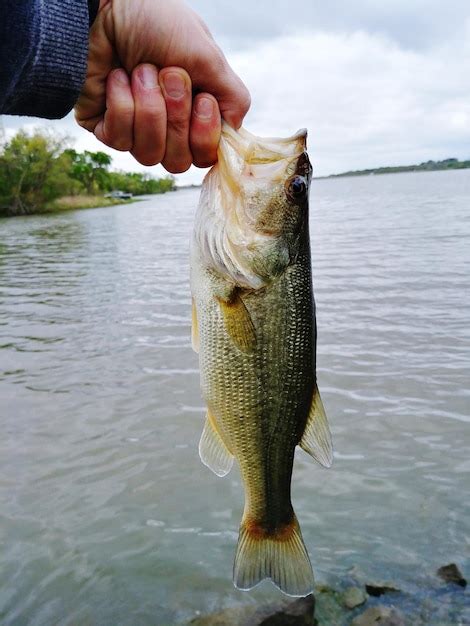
(297, 186)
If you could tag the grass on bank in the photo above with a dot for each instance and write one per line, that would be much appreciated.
(83, 201)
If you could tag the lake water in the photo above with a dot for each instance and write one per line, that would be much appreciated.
(107, 515)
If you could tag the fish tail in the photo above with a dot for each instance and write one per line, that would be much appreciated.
(280, 555)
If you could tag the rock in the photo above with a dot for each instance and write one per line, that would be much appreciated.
(329, 608)
(379, 616)
(451, 574)
(353, 596)
(378, 589)
(297, 613)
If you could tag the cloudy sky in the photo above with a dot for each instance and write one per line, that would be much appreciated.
(376, 82)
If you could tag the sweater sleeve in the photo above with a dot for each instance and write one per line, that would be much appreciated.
(43, 56)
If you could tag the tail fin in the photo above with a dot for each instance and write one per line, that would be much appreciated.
(282, 557)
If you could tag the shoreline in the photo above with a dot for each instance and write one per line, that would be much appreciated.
(73, 203)
(439, 599)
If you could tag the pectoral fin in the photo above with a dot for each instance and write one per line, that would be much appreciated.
(316, 439)
(194, 329)
(212, 450)
(238, 322)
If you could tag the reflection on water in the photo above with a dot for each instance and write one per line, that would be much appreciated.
(106, 513)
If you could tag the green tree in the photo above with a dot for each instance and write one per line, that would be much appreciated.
(33, 171)
(37, 168)
(90, 169)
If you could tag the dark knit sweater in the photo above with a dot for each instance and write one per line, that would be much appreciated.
(43, 55)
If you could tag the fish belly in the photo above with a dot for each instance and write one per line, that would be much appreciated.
(261, 399)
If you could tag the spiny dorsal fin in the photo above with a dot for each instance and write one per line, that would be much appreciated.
(316, 439)
(238, 322)
(194, 328)
(212, 450)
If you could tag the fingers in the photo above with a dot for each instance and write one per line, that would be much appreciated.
(205, 130)
(153, 116)
(117, 127)
(150, 117)
(176, 88)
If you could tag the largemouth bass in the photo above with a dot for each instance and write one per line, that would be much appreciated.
(254, 328)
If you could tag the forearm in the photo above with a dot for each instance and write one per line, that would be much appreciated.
(43, 55)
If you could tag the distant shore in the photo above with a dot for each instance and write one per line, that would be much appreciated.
(427, 166)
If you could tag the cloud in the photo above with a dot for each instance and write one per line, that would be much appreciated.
(415, 24)
(367, 99)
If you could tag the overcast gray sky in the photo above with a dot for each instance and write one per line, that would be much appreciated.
(376, 82)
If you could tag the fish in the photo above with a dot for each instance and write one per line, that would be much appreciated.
(254, 328)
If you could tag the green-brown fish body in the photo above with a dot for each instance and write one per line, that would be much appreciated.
(254, 329)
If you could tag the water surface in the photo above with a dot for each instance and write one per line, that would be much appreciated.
(107, 515)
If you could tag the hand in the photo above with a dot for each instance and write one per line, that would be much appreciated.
(146, 59)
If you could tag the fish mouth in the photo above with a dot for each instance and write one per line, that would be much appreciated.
(257, 150)
(242, 154)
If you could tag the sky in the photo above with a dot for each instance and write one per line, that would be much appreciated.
(376, 82)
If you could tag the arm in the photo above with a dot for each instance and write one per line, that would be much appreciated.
(43, 53)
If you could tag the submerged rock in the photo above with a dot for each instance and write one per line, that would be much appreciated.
(451, 574)
(353, 597)
(379, 616)
(297, 613)
(329, 608)
(378, 589)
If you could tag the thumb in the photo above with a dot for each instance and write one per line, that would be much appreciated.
(215, 76)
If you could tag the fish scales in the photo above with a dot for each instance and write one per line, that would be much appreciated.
(255, 316)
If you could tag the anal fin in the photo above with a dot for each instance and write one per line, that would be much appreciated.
(213, 451)
(316, 439)
(238, 322)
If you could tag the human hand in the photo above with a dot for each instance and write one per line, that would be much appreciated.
(146, 59)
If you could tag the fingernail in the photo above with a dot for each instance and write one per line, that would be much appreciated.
(148, 77)
(204, 108)
(121, 76)
(174, 84)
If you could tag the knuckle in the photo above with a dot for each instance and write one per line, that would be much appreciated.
(153, 114)
(125, 110)
(121, 146)
(147, 159)
(203, 148)
(245, 101)
(177, 167)
(204, 163)
(179, 130)
(118, 141)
